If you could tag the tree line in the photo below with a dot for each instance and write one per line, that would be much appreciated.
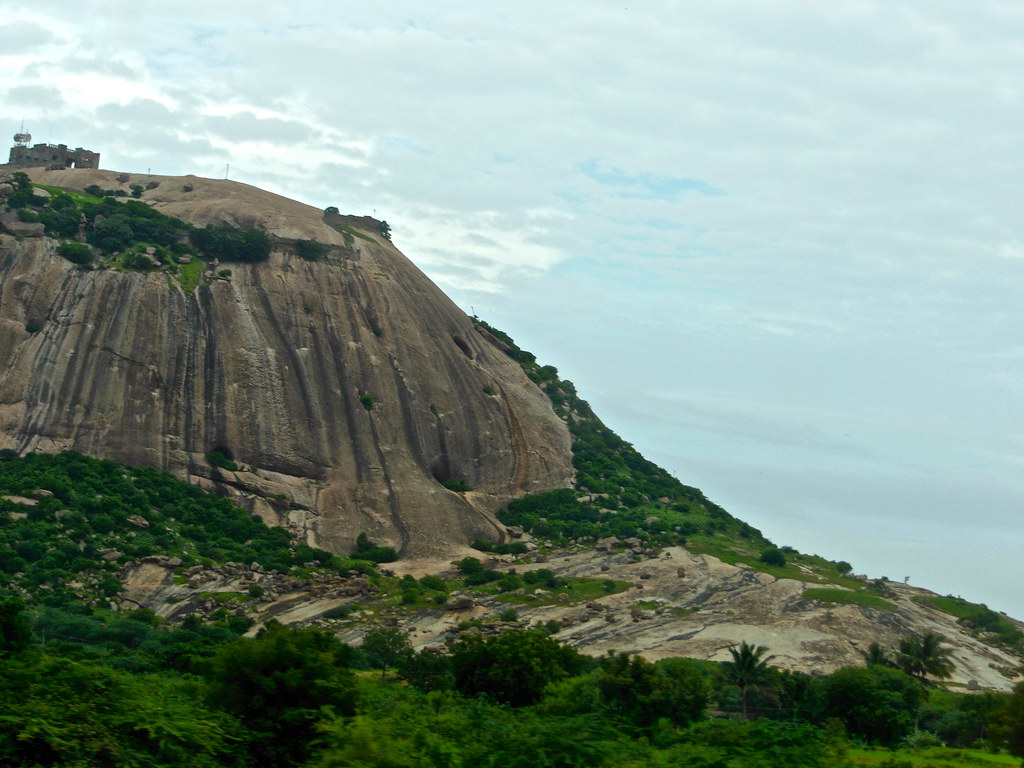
(84, 690)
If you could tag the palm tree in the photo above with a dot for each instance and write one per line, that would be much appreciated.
(748, 668)
(923, 655)
(875, 656)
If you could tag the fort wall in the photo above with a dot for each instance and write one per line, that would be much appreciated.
(52, 156)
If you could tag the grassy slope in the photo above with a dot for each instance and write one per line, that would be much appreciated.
(620, 493)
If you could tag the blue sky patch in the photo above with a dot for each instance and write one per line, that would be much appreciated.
(648, 185)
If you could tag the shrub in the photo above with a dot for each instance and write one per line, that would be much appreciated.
(435, 583)
(310, 250)
(512, 548)
(229, 243)
(76, 253)
(369, 550)
(220, 458)
(774, 557)
(543, 576)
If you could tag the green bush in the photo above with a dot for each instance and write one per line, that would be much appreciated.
(512, 548)
(310, 250)
(774, 557)
(368, 550)
(228, 243)
(76, 253)
(220, 458)
(512, 668)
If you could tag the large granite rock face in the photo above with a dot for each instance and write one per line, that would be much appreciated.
(278, 367)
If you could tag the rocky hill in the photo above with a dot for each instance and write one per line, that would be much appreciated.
(346, 392)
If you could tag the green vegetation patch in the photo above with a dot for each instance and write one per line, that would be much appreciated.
(189, 275)
(227, 243)
(373, 552)
(355, 233)
(74, 194)
(130, 235)
(992, 626)
(933, 757)
(91, 516)
(575, 590)
(310, 250)
(846, 597)
(620, 493)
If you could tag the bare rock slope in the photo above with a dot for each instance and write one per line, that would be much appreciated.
(347, 392)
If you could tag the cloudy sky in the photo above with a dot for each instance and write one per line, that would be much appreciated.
(778, 246)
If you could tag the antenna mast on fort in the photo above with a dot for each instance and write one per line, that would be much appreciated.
(21, 139)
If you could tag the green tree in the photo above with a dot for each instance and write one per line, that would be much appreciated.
(513, 667)
(1008, 723)
(876, 656)
(21, 180)
(923, 655)
(280, 684)
(389, 646)
(428, 670)
(229, 243)
(773, 556)
(748, 669)
(14, 627)
(644, 693)
(113, 233)
(878, 704)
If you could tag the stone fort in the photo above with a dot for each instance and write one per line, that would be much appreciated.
(52, 156)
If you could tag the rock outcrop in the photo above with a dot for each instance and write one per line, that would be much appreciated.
(346, 392)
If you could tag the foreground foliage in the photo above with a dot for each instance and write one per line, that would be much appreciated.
(298, 697)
